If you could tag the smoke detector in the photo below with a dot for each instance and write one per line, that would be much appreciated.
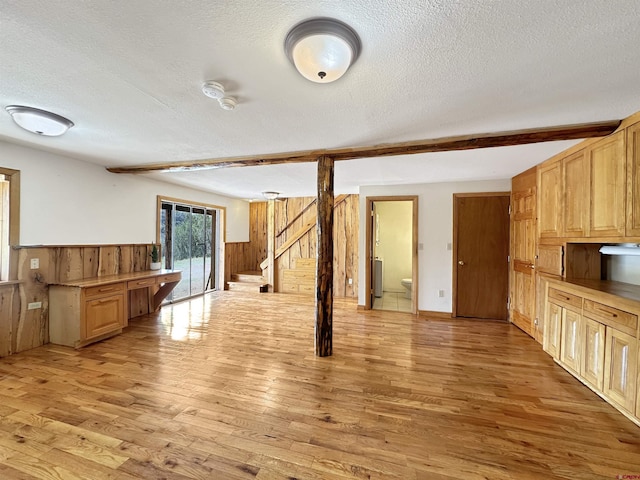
(216, 91)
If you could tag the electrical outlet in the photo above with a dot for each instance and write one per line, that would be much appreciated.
(421, 246)
(34, 305)
(441, 293)
(35, 263)
(350, 281)
(448, 246)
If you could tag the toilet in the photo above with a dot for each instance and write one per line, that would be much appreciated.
(406, 283)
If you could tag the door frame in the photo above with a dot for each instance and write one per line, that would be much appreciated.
(454, 268)
(219, 231)
(368, 263)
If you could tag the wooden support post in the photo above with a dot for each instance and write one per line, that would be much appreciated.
(324, 261)
(271, 245)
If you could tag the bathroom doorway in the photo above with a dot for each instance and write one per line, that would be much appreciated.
(391, 269)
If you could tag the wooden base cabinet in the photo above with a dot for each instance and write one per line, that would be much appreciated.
(593, 333)
(620, 369)
(592, 363)
(570, 345)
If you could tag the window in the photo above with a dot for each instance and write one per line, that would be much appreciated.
(9, 221)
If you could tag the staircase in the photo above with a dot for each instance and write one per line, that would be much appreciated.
(248, 282)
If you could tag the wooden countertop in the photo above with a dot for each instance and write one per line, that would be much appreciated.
(108, 279)
(626, 293)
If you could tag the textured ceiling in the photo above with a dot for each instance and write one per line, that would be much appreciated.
(129, 73)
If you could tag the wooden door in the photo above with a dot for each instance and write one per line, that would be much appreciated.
(576, 195)
(481, 249)
(633, 180)
(620, 363)
(570, 342)
(523, 248)
(592, 364)
(608, 186)
(550, 200)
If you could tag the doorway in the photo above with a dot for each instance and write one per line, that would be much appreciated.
(391, 267)
(481, 250)
(189, 236)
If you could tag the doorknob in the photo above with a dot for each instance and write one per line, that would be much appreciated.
(460, 262)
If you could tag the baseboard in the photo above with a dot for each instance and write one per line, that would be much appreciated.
(362, 308)
(436, 315)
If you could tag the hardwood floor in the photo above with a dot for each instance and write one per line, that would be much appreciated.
(228, 387)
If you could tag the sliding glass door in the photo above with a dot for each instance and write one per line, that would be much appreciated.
(189, 236)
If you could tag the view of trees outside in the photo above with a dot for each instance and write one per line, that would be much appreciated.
(192, 242)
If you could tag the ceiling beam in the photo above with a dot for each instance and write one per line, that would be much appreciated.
(445, 144)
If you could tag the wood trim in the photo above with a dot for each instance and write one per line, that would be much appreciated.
(435, 315)
(454, 269)
(443, 144)
(13, 177)
(369, 246)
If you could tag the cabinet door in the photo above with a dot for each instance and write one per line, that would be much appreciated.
(633, 180)
(620, 364)
(576, 195)
(103, 315)
(608, 186)
(552, 325)
(592, 364)
(570, 341)
(550, 200)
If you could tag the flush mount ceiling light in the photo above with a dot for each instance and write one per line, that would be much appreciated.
(322, 49)
(270, 195)
(39, 121)
(215, 90)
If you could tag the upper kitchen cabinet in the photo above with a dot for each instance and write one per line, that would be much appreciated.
(633, 180)
(550, 200)
(576, 176)
(608, 172)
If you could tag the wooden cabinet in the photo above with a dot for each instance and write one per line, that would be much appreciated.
(552, 330)
(591, 330)
(593, 343)
(608, 172)
(576, 182)
(570, 344)
(523, 250)
(550, 200)
(85, 311)
(633, 180)
(620, 368)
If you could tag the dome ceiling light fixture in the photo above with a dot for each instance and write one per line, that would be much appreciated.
(216, 91)
(39, 121)
(322, 49)
(270, 195)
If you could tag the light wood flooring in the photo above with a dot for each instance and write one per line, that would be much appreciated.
(228, 387)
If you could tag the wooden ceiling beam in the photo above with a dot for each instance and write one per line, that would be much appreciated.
(445, 144)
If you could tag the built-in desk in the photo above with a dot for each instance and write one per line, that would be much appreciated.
(86, 311)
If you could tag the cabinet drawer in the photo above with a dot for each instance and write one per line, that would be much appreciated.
(141, 283)
(103, 315)
(567, 300)
(104, 290)
(618, 319)
(169, 277)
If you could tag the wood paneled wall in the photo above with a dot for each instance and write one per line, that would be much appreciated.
(23, 329)
(246, 256)
(345, 237)
(292, 214)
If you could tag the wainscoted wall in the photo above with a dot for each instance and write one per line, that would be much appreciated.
(246, 256)
(22, 328)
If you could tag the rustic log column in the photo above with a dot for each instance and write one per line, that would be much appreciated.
(271, 245)
(324, 261)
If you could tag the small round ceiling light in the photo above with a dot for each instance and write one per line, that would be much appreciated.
(216, 91)
(270, 195)
(322, 49)
(39, 121)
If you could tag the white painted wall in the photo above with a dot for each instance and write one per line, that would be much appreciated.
(623, 268)
(65, 201)
(394, 243)
(435, 231)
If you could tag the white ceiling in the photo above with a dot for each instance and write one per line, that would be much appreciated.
(129, 74)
